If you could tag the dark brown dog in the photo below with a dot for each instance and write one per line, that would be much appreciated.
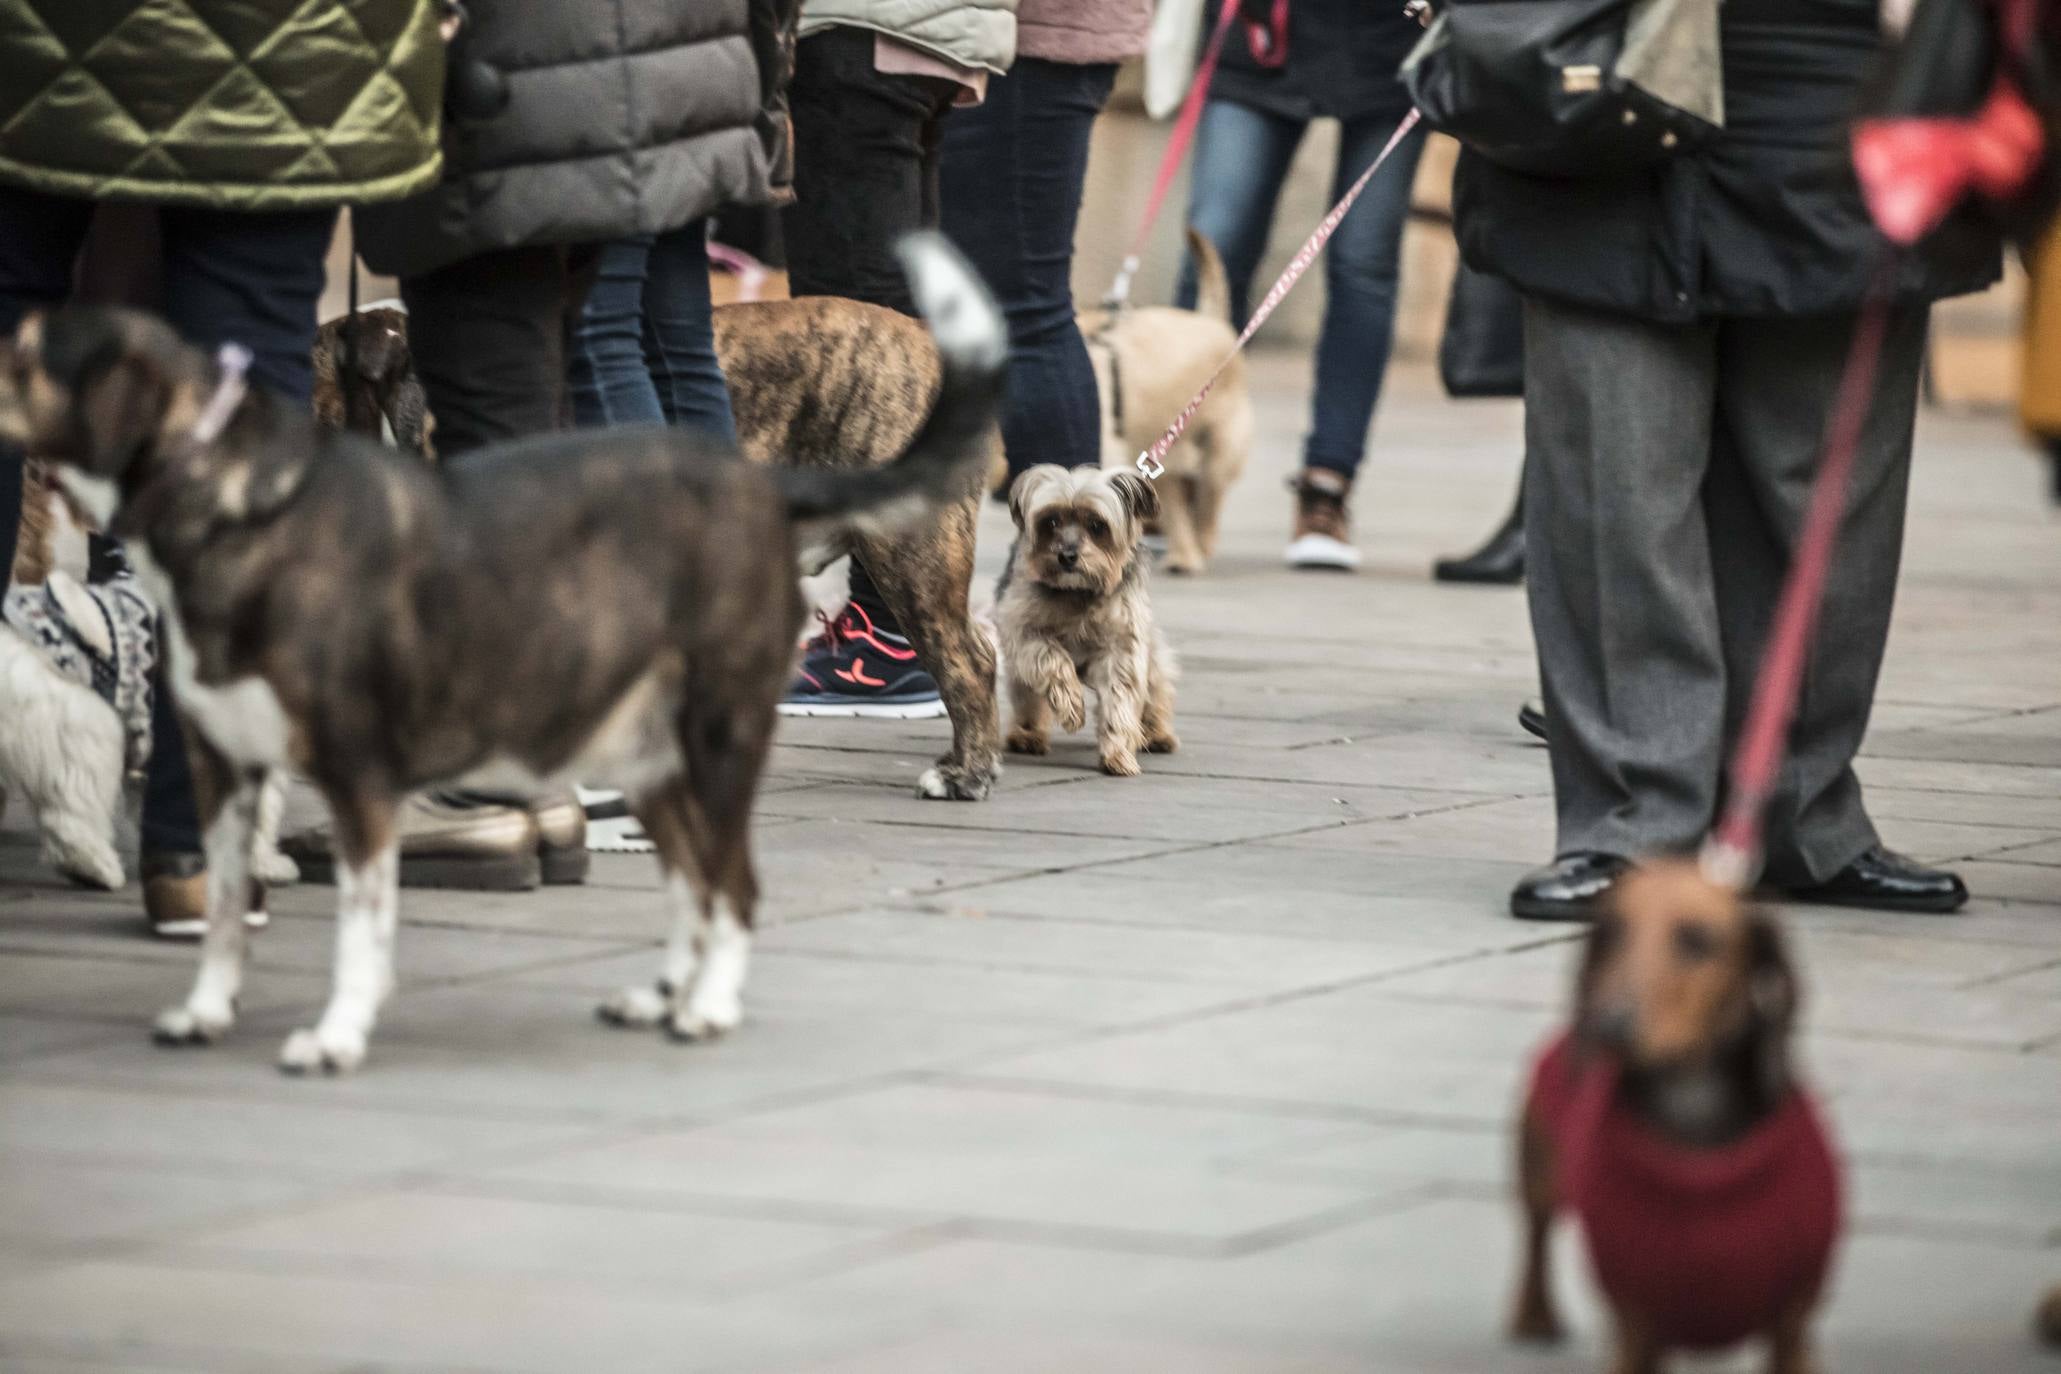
(615, 605)
(836, 384)
(1705, 1184)
(365, 379)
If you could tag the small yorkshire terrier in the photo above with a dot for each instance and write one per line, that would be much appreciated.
(1076, 614)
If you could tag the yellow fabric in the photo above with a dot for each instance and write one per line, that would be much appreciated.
(2039, 395)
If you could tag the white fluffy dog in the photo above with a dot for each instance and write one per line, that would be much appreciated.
(65, 749)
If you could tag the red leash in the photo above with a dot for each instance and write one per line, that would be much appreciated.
(1152, 461)
(1731, 857)
(1176, 150)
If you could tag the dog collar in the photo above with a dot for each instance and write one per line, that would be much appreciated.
(234, 361)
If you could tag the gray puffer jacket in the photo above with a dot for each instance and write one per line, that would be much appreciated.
(972, 33)
(623, 117)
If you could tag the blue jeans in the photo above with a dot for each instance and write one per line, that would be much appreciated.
(1010, 183)
(254, 278)
(644, 351)
(1241, 157)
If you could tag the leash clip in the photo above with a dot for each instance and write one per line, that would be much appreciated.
(1150, 466)
(1120, 290)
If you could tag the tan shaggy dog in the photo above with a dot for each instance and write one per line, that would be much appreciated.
(1149, 360)
(1076, 616)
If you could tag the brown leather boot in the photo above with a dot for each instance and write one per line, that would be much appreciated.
(175, 897)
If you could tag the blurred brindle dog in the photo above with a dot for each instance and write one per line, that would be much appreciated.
(619, 605)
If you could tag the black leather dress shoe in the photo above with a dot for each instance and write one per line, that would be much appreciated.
(1531, 718)
(1887, 881)
(1500, 561)
(1568, 889)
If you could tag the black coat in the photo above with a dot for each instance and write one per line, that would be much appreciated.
(1343, 56)
(1768, 220)
(621, 119)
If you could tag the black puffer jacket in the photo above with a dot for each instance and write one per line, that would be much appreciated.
(1343, 56)
(623, 117)
(1767, 221)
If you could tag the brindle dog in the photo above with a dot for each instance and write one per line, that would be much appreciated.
(615, 605)
(833, 383)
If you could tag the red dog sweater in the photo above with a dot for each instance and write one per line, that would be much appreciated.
(1710, 1245)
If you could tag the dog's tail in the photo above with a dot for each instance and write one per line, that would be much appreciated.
(941, 462)
(1212, 287)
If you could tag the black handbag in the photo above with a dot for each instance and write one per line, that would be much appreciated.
(1571, 88)
(1481, 352)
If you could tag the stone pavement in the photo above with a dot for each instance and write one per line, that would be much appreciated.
(1209, 1071)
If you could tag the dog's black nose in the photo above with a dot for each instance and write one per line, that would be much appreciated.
(1611, 1025)
(1069, 558)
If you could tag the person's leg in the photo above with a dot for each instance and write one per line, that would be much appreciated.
(1777, 383)
(865, 174)
(254, 279)
(863, 161)
(40, 237)
(489, 338)
(1618, 421)
(608, 378)
(1011, 175)
(680, 337)
(1242, 156)
(1360, 271)
(1361, 268)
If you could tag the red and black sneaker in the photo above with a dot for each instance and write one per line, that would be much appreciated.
(855, 668)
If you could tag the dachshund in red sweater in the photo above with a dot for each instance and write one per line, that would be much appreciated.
(1667, 1121)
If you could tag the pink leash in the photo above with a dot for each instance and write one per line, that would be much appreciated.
(1176, 150)
(1152, 461)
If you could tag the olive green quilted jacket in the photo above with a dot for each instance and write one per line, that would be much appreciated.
(233, 104)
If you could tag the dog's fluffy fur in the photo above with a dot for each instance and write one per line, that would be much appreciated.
(614, 605)
(61, 751)
(1149, 361)
(829, 383)
(1076, 615)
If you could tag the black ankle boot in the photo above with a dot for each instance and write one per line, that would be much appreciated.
(1500, 561)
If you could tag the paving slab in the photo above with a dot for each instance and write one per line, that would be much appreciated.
(1210, 1070)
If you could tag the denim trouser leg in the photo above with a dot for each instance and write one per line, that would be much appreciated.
(609, 381)
(254, 279)
(1242, 156)
(1361, 267)
(1011, 177)
(679, 334)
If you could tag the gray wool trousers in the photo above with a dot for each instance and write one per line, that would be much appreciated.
(1669, 468)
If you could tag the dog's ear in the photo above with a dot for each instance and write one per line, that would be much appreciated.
(119, 390)
(1771, 998)
(1137, 493)
(1023, 492)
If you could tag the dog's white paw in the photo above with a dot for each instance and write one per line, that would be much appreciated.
(959, 785)
(636, 1008)
(707, 1018)
(275, 869)
(326, 1049)
(193, 1023)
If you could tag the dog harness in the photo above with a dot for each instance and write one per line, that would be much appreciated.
(100, 637)
(1710, 1245)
